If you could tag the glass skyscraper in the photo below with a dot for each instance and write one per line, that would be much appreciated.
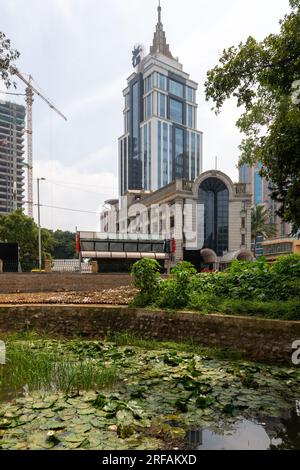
(261, 195)
(160, 142)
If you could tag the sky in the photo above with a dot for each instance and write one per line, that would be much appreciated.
(79, 54)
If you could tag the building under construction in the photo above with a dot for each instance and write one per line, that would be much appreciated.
(12, 123)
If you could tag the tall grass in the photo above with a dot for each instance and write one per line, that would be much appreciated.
(40, 370)
(129, 339)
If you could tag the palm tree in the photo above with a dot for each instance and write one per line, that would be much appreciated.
(260, 224)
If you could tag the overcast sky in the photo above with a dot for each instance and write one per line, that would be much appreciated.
(79, 53)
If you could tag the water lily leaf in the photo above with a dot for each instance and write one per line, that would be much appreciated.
(98, 423)
(74, 438)
(125, 416)
(81, 429)
(204, 402)
(53, 425)
(125, 430)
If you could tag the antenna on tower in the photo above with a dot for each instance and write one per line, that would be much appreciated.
(216, 162)
(159, 12)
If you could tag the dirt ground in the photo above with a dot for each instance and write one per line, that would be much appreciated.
(65, 282)
(65, 289)
(118, 296)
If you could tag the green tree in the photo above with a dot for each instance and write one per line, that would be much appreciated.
(7, 58)
(264, 77)
(16, 227)
(260, 224)
(64, 245)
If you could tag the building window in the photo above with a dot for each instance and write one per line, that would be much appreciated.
(193, 156)
(145, 155)
(199, 166)
(214, 196)
(170, 154)
(244, 171)
(243, 240)
(190, 94)
(136, 168)
(162, 82)
(176, 88)
(127, 122)
(190, 116)
(176, 111)
(258, 188)
(159, 154)
(243, 222)
(162, 105)
(148, 110)
(149, 155)
(148, 83)
(165, 153)
(179, 153)
(127, 100)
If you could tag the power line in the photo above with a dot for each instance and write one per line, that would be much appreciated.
(73, 186)
(68, 209)
(14, 94)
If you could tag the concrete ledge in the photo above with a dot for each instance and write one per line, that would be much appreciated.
(256, 339)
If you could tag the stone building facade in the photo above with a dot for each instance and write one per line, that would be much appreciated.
(209, 219)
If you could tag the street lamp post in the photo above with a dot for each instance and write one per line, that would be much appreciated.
(39, 222)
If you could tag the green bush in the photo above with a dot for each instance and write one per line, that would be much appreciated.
(146, 278)
(175, 291)
(253, 281)
(247, 288)
(283, 310)
(287, 266)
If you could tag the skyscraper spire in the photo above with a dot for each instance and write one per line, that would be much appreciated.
(159, 40)
(159, 12)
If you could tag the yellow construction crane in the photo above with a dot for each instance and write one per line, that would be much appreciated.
(30, 91)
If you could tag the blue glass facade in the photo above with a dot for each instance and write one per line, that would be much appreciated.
(179, 152)
(258, 188)
(193, 155)
(176, 111)
(214, 195)
(159, 147)
(176, 88)
(165, 154)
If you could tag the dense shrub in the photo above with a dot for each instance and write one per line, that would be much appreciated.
(247, 288)
(146, 278)
(254, 281)
(175, 291)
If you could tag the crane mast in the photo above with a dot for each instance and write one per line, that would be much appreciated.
(30, 91)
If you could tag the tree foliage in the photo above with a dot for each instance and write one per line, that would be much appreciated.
(8, 56)
(64, 245)
(260, 225)
(264, 77)
(16, 227)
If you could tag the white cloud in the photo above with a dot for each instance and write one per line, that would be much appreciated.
(72, 187)
(80, 53)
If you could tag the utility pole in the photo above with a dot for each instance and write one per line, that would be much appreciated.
(39, 222)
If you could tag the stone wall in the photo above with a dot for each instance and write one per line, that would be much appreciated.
(262, 340)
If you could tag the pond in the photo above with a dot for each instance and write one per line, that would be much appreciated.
(272, 434)
(132, 394)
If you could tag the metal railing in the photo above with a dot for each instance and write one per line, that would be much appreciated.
(70, 266)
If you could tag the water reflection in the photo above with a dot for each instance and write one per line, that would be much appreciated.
(244, 434)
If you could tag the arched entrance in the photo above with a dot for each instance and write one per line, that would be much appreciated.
(245, 256)
(208, 260)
